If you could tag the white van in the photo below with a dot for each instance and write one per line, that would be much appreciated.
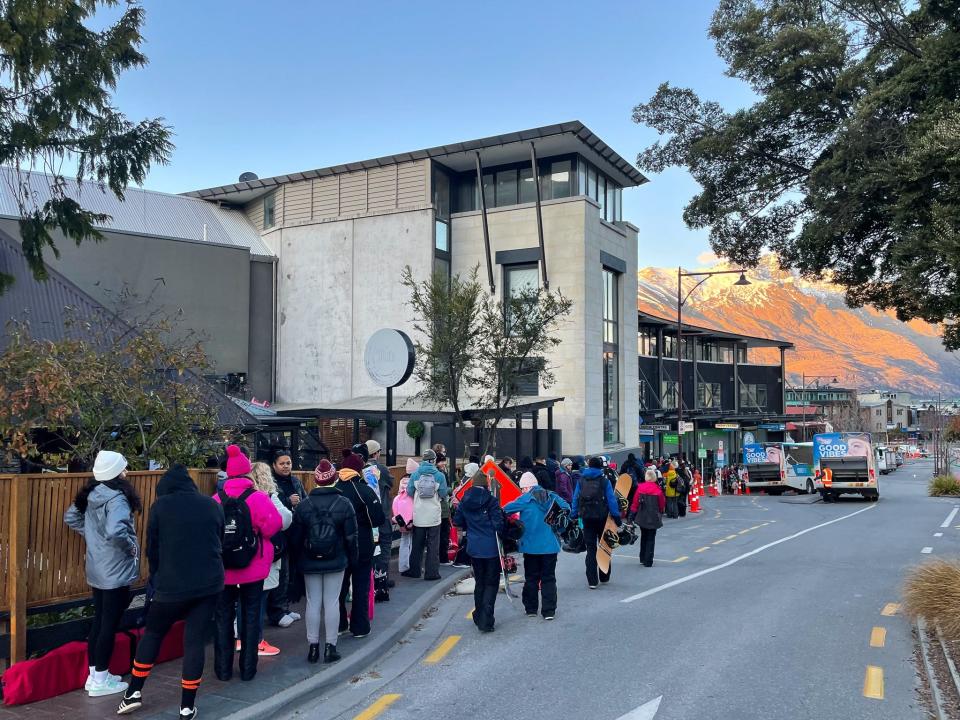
(779, 466)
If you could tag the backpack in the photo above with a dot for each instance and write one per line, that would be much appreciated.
(240, 541)
(648, 513)
(593, 501)
(322, 541)
(426, 486)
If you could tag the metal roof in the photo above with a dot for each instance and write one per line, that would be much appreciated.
(595, 148)
(696, 330)
(143, 212)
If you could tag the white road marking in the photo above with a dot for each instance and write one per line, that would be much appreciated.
(927, 550)
(950, 517)
(938, 534)
(647, 711)
(734, 561)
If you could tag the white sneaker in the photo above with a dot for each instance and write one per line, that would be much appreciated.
(89, 683)
(286, 621)
(295, 615)
(110, 686)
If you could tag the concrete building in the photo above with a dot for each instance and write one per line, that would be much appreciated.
(886, 415)
(342, 236)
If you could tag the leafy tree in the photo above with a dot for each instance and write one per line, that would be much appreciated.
(848, 163)
(56, 79)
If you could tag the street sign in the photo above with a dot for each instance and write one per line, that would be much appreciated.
(727, 426)
(777, 427)
(702, 454)
(508, 489)
(656, 427)
(720, 444)
(389, 357)
(685, 427)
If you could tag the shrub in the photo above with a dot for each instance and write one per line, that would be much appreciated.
(943, 485)
(932, 591)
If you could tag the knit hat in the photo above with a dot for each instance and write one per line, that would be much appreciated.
(108, 465)
(361, 450)
(238, 464)
(325, 473)
(566, 462)
(412, 466)
(596, 463)
(429, 456)
(470, 469)
(373, 447)
(351, 461)
(528, 480)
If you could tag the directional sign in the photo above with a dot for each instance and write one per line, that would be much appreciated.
(685, 427)
(508, 489)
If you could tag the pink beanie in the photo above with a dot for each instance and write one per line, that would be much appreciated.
(238, 464)
(528, 480)
(412, 466)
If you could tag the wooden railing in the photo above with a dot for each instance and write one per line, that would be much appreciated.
(42, 561)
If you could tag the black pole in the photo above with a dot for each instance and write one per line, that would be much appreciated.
(391, 438)
(550, 447)
(536, 433)
(518, 437)
(486, 232)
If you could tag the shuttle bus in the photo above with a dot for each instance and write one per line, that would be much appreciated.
(846, 464)
(779, 466)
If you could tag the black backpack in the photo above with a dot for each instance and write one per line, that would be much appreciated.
(240, 541)
(593, 499)
(648, 512)
(322, 541)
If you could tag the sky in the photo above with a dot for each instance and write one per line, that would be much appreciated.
(291, 85)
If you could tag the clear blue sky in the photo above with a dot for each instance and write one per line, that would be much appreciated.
(282, 86)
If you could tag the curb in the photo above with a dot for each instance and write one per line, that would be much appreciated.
(285, 700)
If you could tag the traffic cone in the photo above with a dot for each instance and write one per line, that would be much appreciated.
(694, 501)
(746, 487)
(736, 488)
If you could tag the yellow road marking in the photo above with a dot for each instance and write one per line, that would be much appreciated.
(873, 683)
(878, 636)
(442, 649)
(719, 541)
(731, 537)
(470, 614)
(890, 609)
(382, 703)
(681, 559)
(701, 549)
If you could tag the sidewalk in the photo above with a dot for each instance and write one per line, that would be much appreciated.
(280, 680)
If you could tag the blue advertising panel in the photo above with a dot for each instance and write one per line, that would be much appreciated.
(840, 445)
(754, 454)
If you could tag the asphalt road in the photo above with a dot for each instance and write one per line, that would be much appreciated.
(759, 607)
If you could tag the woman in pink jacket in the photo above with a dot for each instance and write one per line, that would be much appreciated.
(250, 521)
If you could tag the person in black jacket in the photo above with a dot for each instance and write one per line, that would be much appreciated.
(385, 484)
(184, 536)
(369, 511)
(480, 515)
(545, 477)
(290, 491)
(323, 577)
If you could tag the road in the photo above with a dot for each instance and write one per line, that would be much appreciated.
(759, 607)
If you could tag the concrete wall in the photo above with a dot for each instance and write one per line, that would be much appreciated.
(211, 283)
(339, 282)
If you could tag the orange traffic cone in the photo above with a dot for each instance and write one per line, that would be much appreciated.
(736, 488)
(694, 502)
(746, 487)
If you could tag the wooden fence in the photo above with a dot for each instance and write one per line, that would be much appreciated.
(42, 561)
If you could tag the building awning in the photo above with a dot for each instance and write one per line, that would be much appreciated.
(406, 408)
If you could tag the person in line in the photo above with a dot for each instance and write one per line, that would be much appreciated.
(263, 480)
(539, 545)
(671, 492)
(403, 517)
(564, 480)
(290, 491)
(246, 510)
(593, 501)
(385, 487)
(553, 464)
(184, 550)
(683, 487)
(506, 465)
(646, 512)
(102, 512)
(480, 515)
(370, 514)
(427, 485)
(462, 559)
(545, 478)
(324, 542)
(443, 543)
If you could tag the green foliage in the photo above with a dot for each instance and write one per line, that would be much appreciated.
(415, 429)
(849, 162)
(951, 433)
(132, 390)
(944, 485)
(57, 75)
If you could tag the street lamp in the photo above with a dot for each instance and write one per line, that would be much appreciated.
(803, 395)
(681, 301)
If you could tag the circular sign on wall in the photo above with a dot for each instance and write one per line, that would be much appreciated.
(748, 438)
(389, 357)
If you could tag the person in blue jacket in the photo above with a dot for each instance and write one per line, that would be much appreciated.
(480, 515)
(539, 545)
(594, 500)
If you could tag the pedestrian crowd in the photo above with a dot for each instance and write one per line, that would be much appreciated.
(232, 564)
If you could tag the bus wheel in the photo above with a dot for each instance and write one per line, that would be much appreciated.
(810, 488)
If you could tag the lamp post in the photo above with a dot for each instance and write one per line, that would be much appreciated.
(803, 395)
(681, 301)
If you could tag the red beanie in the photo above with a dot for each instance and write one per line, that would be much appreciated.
(238, 464)
(325, 473)
(351, 461)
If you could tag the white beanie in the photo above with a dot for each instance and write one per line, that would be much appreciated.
(528, 480)
(489, 458)
(411, 466)
(108, 465)
(470, 469)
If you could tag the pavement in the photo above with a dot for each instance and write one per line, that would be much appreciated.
(758, 607)
(281, 681)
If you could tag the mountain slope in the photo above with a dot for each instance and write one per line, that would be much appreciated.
(862, 347)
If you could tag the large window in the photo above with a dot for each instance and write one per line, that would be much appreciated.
(647, 342)
(753, 396)
(516, 279)
(713, 351)
(269, 211)
(668, 395)
(644, 391)
(442, 187)
(611, 357)
(709, 395)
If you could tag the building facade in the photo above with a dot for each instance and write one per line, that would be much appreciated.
(838, 406)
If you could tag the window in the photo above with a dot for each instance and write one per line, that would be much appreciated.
(516, 279)
(441, 265)
(557, 180)
(506, 187)
(647, 342)
(592, 183)
(668, 394)
(528, 191)
(753, 396)
(441, 211)
(643, 390)
(742, 354)
(709, 395)
(602, 195)
(581, 177)
(670, 346)
(269, 211)
(611, 357)
(611, 306)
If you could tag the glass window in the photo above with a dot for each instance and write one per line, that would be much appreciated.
(619, 201)
(489, 194)
(670, 346)
(611, 397)
(592, 183)
(528, 192)
(467, 194)
(516, 279)
(669, 394)
(611, 306)
(581, 176)
(269, 210)
(441, 194)
(560, 179)
(643, 389)
(441, 265)
(506, 187)
(441, 236)
(602, 195)
(647, 343)
(709, 395)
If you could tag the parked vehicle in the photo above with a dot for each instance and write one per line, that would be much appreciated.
(779, 466)
(845, 464)
(886, 460)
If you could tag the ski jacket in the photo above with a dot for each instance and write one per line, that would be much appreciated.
(538, 538)
(286, 518)
(480, 515)
(344, 518)
(670, 477)
(647, 520)
(613, 506)
(366, 506)
(266, 523)
(288, 485)
(564, 485)
(427, 511)
(403, 506)
(113, 554)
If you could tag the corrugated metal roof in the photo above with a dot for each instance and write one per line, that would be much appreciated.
(144, 212)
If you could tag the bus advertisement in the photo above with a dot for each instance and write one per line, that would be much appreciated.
(776, 467)
(845, 465)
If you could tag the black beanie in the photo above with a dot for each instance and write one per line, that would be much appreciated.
(595, 462)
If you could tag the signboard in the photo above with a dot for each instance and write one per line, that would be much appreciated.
(685, 427)
(670, 439)
(389, 357)
(727, 426)
(702, 454)
(839, 445)
(748, 438)
(719, 444)
(721, 457)
(757, 454)
(508, 489)
(776, 427)
(657, 427)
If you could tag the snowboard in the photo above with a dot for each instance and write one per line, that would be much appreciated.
(608, 540)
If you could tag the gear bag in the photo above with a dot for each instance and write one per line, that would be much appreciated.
(593, 500)
(426, 486)
(240, 541)
(322, 541)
